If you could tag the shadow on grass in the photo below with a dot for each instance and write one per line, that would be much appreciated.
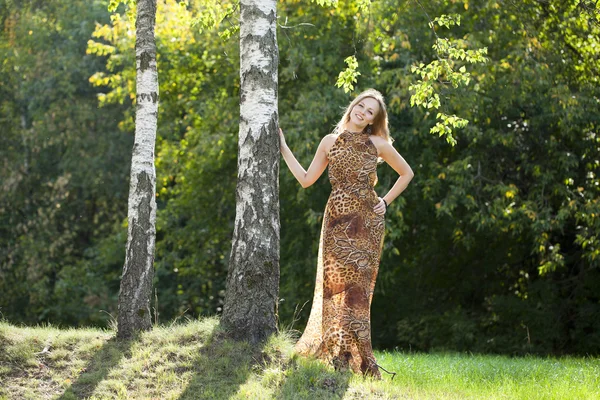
(310, 379)
(214, 367)
(221, 367)
(106, 358)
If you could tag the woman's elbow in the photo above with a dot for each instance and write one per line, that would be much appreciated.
(306, 181)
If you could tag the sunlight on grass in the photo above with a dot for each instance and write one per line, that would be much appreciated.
(195, 360)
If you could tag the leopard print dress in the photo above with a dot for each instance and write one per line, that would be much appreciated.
(339, 329)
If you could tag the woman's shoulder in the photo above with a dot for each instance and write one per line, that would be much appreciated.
(330, 137)
(381, 144)
(378, 140)
(328, 141)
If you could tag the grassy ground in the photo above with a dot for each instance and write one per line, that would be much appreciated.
(194, 361)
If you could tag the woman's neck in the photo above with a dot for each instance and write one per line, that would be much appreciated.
(350, 127)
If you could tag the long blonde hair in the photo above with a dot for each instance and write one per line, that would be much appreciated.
(380, 123)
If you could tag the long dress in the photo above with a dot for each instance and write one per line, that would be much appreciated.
(339, 326)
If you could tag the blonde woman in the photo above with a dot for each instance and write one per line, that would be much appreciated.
(339, 329)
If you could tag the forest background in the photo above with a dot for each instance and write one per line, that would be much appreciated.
(494, 246)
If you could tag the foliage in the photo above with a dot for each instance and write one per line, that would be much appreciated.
(498, 243)
(130, 7)
(64, 167)
(326, 3)
(217, 15)
(440, 72)
(347, 78)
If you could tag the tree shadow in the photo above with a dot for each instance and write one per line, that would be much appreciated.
(307, 379)
(106, 358)
(218, 369)
(221, 366)
(224, 365)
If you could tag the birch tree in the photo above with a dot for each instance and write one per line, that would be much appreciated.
(250, 310)
(138, 271)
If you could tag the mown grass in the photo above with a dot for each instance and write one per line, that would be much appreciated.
(196, 361)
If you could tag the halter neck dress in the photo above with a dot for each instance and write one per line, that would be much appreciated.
(339, 326)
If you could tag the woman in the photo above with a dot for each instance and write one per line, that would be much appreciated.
(338, 329)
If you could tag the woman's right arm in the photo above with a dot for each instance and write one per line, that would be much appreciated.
(317, 166)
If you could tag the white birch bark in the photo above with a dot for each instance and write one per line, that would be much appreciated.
(138, 270)
(250, 310)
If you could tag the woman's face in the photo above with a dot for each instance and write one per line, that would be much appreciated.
(364, 112)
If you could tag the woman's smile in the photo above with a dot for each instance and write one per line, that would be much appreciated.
(363, 114)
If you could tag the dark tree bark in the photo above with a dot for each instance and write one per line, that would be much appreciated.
(138, 271)
(250, 310)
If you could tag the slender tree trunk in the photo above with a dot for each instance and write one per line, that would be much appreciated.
(138, 271)
(250, 310)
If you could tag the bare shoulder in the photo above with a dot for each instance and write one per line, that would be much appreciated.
(330, 138)
(328, 141)
(381, 144)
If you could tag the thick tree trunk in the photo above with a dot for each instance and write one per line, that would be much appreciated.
(138, 271)
(250, 310)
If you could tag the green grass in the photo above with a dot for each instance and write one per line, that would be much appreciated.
(195, 361)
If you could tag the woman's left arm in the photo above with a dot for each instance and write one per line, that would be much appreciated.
(389, 154)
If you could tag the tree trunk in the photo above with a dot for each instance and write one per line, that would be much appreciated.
(250, 310)
(138, 271)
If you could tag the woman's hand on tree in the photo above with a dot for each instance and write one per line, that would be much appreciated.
(282, 143)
